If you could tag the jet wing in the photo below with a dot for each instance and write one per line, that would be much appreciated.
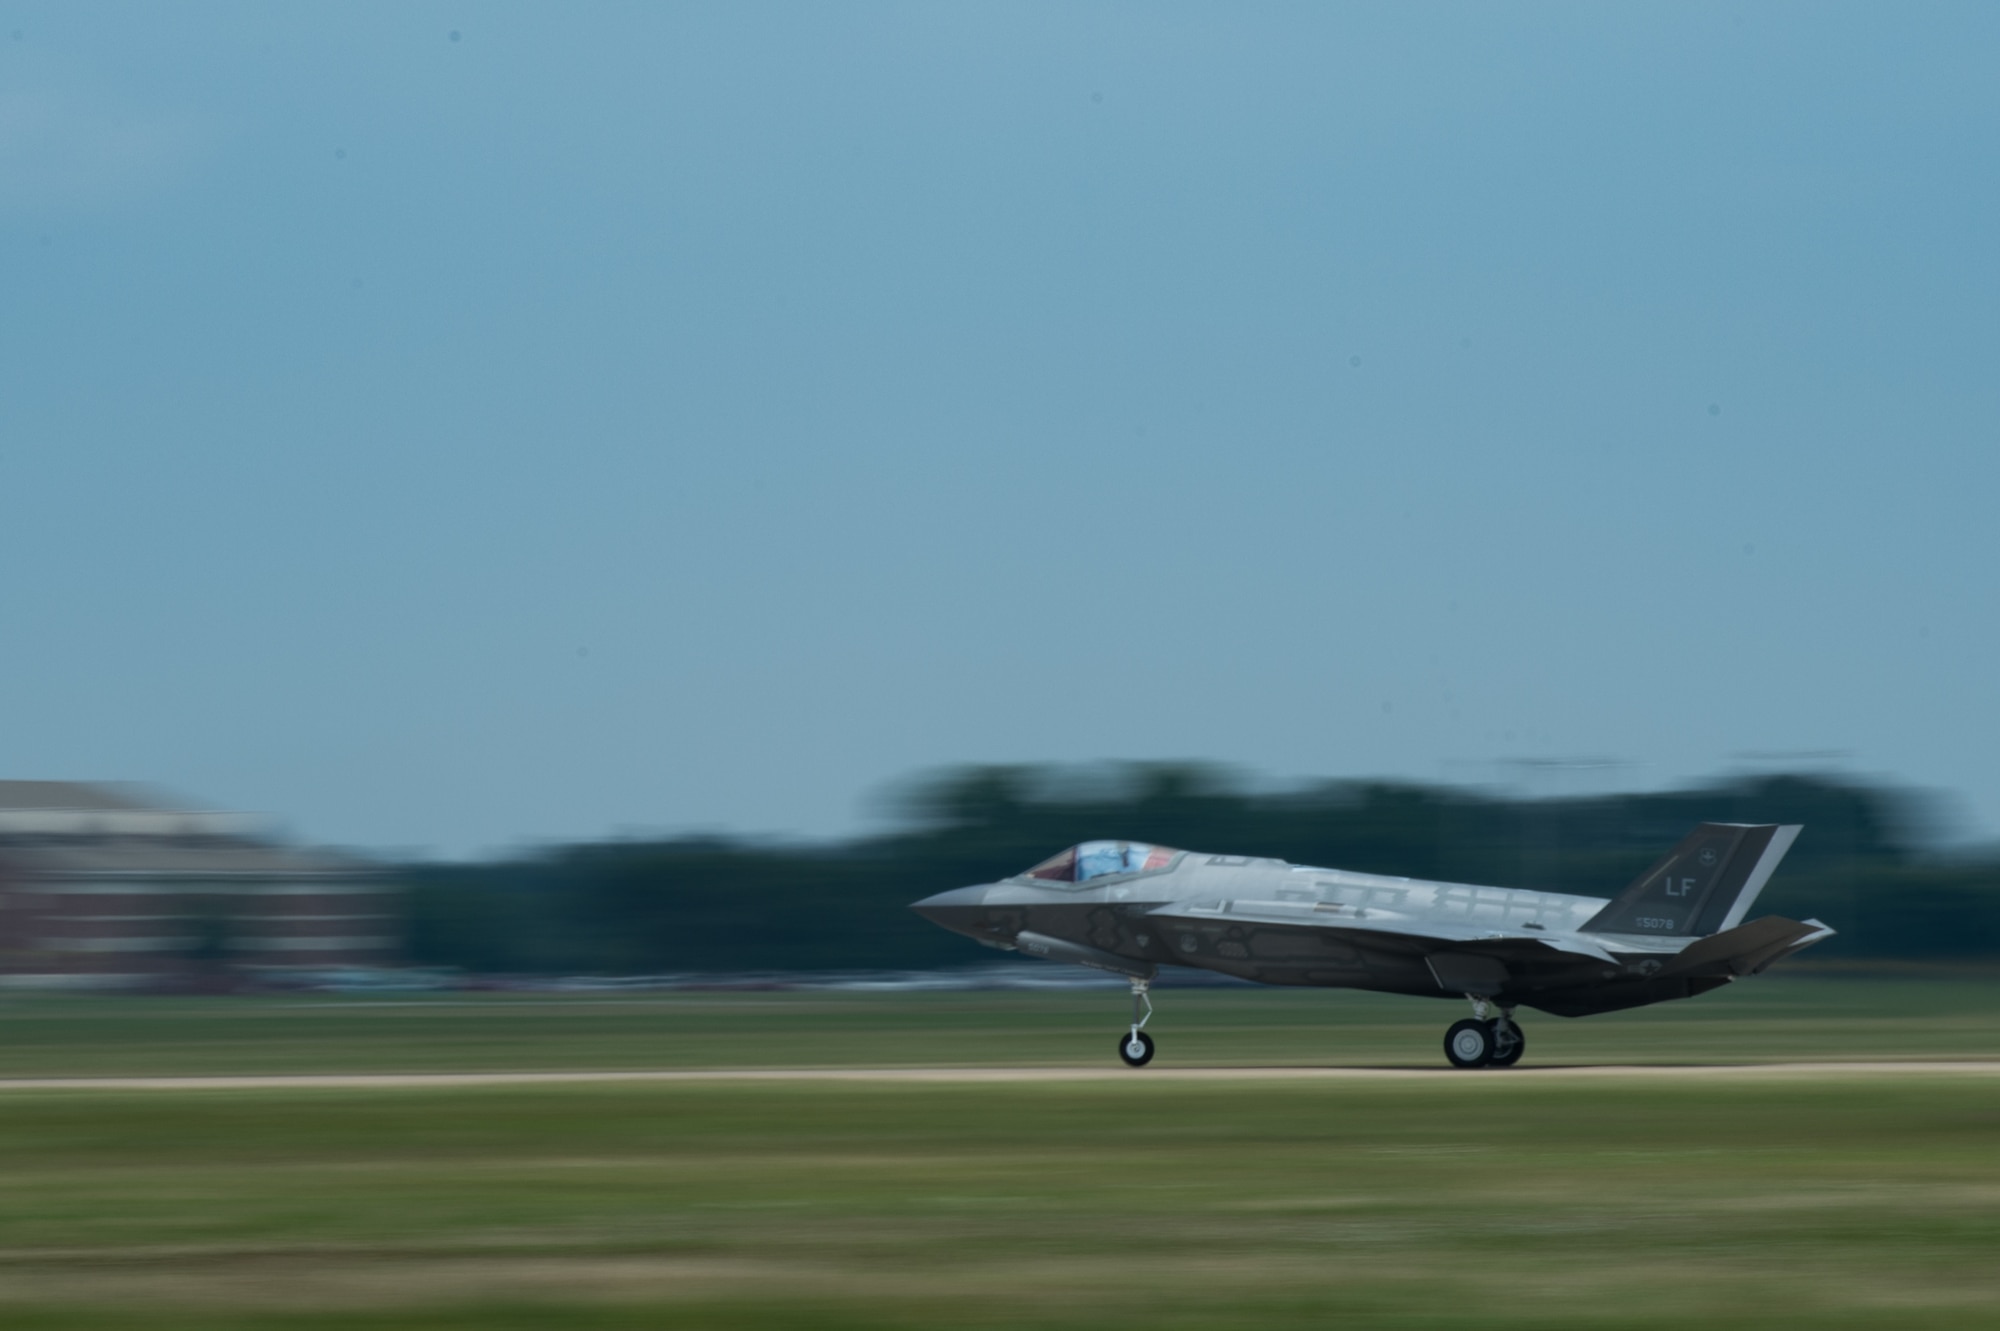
(1367, 928)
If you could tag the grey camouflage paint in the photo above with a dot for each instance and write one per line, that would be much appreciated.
(1675, 932)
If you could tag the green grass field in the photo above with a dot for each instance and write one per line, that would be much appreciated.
(1774, 1017)
(1457, 1200)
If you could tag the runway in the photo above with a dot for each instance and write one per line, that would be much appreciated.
(979, 1075)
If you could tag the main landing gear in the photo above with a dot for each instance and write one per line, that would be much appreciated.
(1480, 1041)
(1136, 1047)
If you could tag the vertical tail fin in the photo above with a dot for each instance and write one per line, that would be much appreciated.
(1705, 885)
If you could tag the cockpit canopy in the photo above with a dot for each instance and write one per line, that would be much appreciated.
(1098, 859)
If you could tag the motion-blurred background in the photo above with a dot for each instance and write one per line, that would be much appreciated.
(577, 459)
(117, 888)
(631, 495)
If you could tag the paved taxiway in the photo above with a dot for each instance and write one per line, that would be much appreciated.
(948, 1075)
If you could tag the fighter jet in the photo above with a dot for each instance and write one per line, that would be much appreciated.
(1130, 908)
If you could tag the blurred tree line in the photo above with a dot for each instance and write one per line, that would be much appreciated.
(709, 904)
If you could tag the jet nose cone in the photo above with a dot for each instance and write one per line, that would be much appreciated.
(952, 909)
(963, 911)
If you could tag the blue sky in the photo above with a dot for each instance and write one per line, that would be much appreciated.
(663, 417)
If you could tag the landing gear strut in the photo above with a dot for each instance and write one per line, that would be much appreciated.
(1508, 1042)
(1136, 1047)
(1482, 1041)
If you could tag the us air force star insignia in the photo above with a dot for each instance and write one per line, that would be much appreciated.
(1708, 858)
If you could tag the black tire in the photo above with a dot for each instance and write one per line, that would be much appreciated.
(1507, 1053)
(1469, 1043)
(1143, 1056)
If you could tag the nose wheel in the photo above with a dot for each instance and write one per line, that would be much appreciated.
(1135, 1046)
(1136, 1049)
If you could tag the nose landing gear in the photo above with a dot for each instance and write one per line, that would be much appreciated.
(1481, 1041)
(1136, 1047)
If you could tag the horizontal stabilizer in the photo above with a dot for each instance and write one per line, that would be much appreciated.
(1746, 949)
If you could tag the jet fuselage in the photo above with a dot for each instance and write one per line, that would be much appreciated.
(1279, 923)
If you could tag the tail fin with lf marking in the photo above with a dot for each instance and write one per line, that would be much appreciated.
(1705, 885)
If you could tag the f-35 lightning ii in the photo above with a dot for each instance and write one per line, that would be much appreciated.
(1129, 908)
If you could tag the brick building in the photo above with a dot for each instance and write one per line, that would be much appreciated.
(109, 887)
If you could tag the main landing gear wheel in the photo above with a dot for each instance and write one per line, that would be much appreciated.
(1136, 1049)
(1469, 1043)
(1508, 1046)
